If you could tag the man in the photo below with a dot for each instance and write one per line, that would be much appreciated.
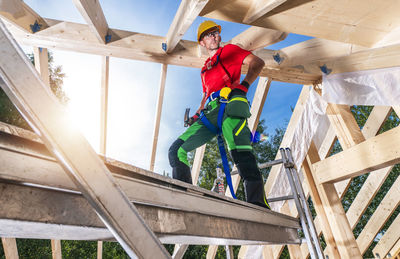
(221, 75)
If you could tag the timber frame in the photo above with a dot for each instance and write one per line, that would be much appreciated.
(348, 37)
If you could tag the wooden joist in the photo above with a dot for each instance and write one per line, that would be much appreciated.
(256, 38)
(10, 248)
(357, 23)
(94, 17)
(377, 152)
(188, 11)
(259, 8)
(138, 46)
(105, 72)
(22, 16)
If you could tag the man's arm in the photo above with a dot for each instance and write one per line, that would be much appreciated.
(202, 103)
(255, 66)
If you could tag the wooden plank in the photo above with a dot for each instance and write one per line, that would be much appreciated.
(347, 131)
(42, 64)
(389, 239)
(46, 115)
(138, 46)
(358, 23)
(179, 251)
(385, 209)
(94, 17)
(340, 227)
(157, 120)
(395, 250)
(255, 38)
(324, 223)
(22, 16)
(188, 11)
(10, 248)
(105, 71)
(56, 249)
(198, 160)
(316, 51)
(259, 8)
(378, 152)
(99, 249)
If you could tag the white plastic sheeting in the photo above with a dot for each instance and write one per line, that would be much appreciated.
(372, 87)
(308, 124)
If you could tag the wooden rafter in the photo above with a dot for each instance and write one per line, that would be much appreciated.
(188, 11)
(357, 23)
(10, 248)
(259, 8)
(389, 239)
(94, 16)
(22, 16)
(131, 45)
(256, 38)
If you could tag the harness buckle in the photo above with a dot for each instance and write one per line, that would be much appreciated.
(223, 100)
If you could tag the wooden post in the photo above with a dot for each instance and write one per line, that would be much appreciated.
(56, 251)
(99, 249)
(163, 77)
(10, 248)
(105, 68)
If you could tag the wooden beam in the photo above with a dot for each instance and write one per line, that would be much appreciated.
(160, 99)
(131, 45)
(255, 38)
(324, 223)
(340, 227)
(10, 248)
(385, 209)
(94, 16)
(389, 239)
(56, 252)
(42, 64)
(315, 51)
(105, 70)
(188, 11)
(99, 249)
(377, 152)
(357, 23)
(347, 131)
(46, 115)
(395, 250)
(198, 160)
(179, 251)
(22, 16)
(259, 8)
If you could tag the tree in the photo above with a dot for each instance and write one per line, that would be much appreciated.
(9, 114)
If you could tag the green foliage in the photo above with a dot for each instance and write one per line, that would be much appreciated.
(9, 114)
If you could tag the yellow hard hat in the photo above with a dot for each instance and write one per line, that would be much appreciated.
(205, 26)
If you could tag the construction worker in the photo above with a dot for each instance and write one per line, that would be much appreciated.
(221, 80)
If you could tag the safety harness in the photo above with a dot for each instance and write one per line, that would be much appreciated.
(218, 130)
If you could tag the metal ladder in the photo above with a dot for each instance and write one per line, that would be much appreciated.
(300, 200)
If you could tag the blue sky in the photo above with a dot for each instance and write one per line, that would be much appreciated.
(133, 85)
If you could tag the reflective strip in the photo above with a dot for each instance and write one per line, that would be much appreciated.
(243, 147)
(241, 127)
(238, 99)
(266, 203)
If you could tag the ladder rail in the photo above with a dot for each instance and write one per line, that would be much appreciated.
(306, 207)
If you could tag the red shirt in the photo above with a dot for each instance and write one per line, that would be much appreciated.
(213, 75)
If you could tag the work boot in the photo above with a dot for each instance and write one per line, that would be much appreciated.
(182, 173)
(254, 191)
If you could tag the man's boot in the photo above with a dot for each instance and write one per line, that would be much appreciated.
(254, 191)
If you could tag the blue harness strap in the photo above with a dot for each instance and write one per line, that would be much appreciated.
(218, 131)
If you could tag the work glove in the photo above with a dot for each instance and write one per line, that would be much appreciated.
(240, 89)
